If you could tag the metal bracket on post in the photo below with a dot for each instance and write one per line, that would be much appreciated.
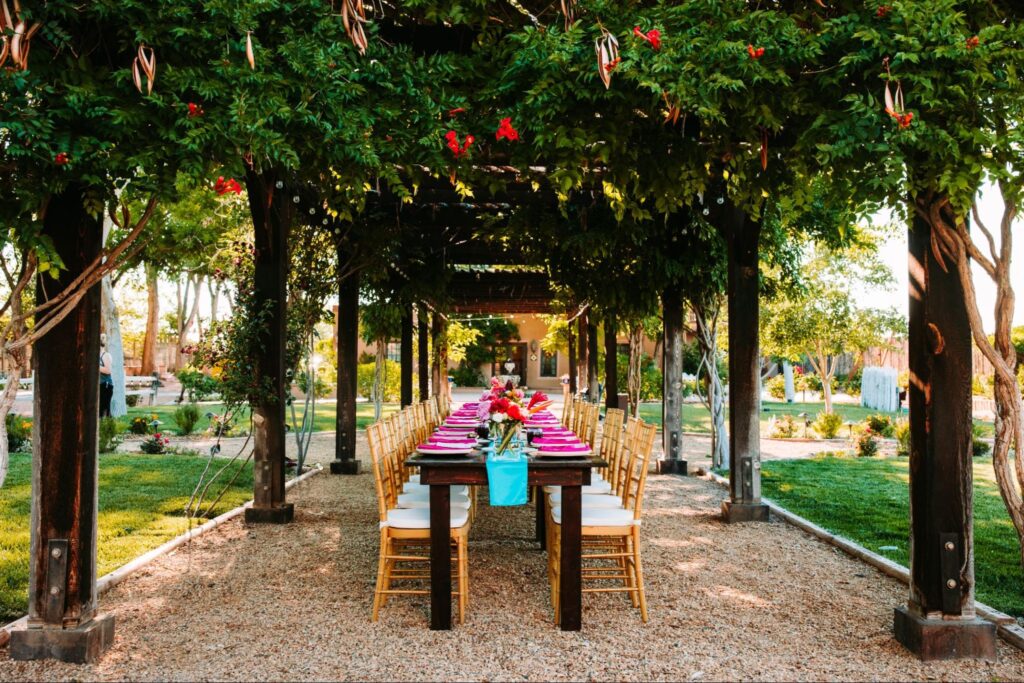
(56, 581)
(747, 478)
(949, 564)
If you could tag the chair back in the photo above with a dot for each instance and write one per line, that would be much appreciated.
(375, 436)
(638, 471)
(591, 419)
(627, 452)
(611, 441)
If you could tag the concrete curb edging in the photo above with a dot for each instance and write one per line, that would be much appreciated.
(108, 581)
(1006, 626)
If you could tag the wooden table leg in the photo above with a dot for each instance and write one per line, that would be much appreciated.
(570, 592)
(542, 520)
(440, 558)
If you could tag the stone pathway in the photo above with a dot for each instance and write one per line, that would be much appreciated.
(750, 602)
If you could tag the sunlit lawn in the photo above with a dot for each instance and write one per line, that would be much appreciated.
(324, 415)
(866, 500)
(141, 502)
(697, 418)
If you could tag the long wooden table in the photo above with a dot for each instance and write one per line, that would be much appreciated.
(440, 473)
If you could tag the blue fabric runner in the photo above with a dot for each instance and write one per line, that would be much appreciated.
(506, 477)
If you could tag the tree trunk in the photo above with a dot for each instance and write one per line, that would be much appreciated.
(406, 356)
(583, 379)
(594, 389)
(422, 352)
(437, 334)
(214, 286)
(706, 315)
(379, 377)
(193, 283)
(672, 382)
(611, 362)
(348, 369)
(573, 367)
(787, 374)
(633, 376)
(115, 347)
(152, 320)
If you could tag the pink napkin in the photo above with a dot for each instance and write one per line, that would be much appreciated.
(446, 445)
(451, 438)
(567, 448)
(454, 430)
(556, 442)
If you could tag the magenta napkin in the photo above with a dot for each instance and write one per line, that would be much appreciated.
(567, 448)
(555, 442)
(446, 445)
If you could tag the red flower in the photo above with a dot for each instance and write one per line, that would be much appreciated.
(610, 66)
(653, 36)
(905, 119)
(883, 11)
(61, 159)
(500, 405)
(222, 187)
(194, 110)
(755, 53)
(516, 413)
(972, 42)
(505, 130)
(536, 398)
(453, 143)
(456, 111)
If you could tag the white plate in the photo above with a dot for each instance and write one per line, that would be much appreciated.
(427, 450)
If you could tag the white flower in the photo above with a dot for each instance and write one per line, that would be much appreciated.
(498, 417)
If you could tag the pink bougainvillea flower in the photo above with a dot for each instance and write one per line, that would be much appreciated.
(505, 130)
(61, 158)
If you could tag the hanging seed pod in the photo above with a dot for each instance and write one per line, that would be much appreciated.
(353, 16)
(136, 77)
(144, 64)
(5, 49)
(764, 149)
(249, 54)
(607, 49)
(569, 10)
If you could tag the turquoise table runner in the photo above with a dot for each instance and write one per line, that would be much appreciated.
(506, 478)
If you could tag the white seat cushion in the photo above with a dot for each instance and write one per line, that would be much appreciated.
(414, 478)
(457, 489)
(597, 487)
(414, 500)
(419, 518)
(594, 500)
(601, 517)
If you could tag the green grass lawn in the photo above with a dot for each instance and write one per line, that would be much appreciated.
(140, 507)
(324, 418)
(866, 500)
(696, 417)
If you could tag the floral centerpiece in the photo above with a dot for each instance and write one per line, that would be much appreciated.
(504, 409)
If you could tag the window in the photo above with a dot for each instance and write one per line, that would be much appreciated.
(548, 364)
(622, 349)
(394, 351)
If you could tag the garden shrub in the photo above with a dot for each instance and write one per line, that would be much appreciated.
(776, 387)
(198, 385)
(19, 433)
(979, 447)
(827, 425)
(982, 386)
(882, 425)
(867, 444)
(111, 430)
(392, 380)
(155, 444)
(142, 424)
(186, 417)
(132, 400)
(784, 427)
(903, 438)
(813, 383)
(221, 425)
(467, 376)
(850, 384)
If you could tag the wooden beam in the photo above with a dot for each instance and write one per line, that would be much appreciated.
(672, 382)
(272, 214)
(345, 461)
(437, 372)
(742, 237)
(938, 621)
(423, 352)
(63, 619)
(406, 356)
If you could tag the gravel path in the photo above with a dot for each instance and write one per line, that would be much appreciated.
(726, 602)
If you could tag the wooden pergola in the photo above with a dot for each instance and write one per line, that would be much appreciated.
(938, 621)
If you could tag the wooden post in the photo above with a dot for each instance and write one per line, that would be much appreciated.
(406, 356)
(272, 213)
(572, 363)
(422, 352)
(582, 349)
(742, 237)
(438, 374)
(672, 383)
(611, 362)
(345, 461)
(62, 610)
(938, 621)
(592, 360)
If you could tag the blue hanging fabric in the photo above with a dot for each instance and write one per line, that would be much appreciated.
(506, 477)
